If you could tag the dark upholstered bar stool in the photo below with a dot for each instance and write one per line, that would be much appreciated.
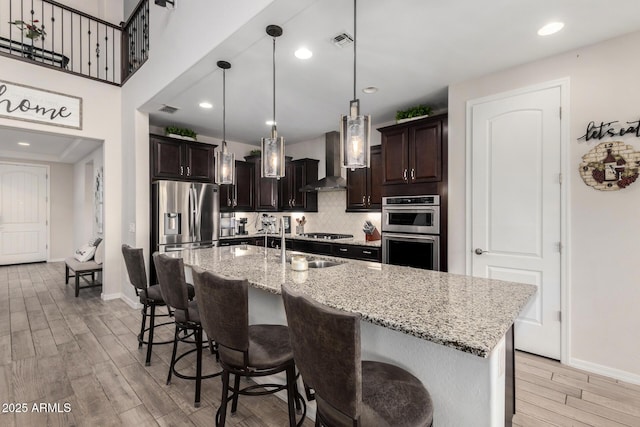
(150, 297)
(245, 350)
(175, 290)
(350, 391)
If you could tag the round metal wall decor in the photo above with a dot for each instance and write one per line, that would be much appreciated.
(610, 166)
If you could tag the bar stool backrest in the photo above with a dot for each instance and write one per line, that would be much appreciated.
(326, 348)
(223, 305)
(134, 260)
(170, 272)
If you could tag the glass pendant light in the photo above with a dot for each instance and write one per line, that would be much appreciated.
(273, 147)
(355, 128)
(225, 161)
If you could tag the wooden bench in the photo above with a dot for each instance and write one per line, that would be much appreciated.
(82, 270)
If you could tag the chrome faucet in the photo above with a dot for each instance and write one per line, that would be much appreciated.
(283, 242)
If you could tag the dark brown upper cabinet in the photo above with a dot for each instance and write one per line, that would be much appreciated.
(364, 185)
(181, 160)
(412, 152)
(299, 173)
(241, 196)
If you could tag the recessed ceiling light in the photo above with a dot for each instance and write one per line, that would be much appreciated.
(303, 53)
(206, 104)
(550, 28)
(270, 123)
(370, 89)
(24, 144)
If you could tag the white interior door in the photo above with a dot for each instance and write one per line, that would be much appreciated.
(516, 206)
(23, 213)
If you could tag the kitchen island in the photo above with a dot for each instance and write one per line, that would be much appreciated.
(448, 330)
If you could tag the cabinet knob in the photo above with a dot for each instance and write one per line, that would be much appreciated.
(293, 202)
(235, 202)
(413, 174)
(363, 200)
(369, 200)
(404, 175)
(181, 170)
(188, 171)
(228, 202)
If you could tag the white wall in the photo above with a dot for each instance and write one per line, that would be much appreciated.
(85, 226)
(101, 121)
(177, 50)
(604, 271)
(60, 207)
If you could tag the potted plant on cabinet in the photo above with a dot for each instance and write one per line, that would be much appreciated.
(413, 113)
(180, 133)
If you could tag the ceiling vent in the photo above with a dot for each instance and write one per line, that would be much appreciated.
(342, 39)
(168, 109)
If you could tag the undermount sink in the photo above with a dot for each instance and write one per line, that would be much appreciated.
(321, 263)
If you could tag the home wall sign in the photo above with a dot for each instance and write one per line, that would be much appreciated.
(31, 104)
(610, 166)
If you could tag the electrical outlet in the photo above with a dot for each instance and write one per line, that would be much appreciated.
(132, 227)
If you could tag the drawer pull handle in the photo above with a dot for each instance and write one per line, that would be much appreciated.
(366, 252)
(343, 249)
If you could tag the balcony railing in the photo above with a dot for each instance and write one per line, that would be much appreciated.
(57, 36)
(135, 40)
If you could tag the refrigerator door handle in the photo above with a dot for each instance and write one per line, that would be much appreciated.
(194, 213)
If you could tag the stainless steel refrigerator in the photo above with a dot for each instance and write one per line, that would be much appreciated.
(185, 215)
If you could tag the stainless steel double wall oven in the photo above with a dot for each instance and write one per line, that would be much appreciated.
(411, 231)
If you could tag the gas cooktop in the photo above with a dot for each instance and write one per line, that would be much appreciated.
(330, 236)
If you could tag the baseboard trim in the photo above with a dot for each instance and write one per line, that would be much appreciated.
(109, 297)
(606, 371)
(56, 260)
(131, 303)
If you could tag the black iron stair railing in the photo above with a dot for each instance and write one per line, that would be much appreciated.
(56, 36)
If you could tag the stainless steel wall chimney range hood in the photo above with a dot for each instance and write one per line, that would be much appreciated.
(333, 181)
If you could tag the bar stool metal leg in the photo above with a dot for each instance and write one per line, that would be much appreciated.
(151, 329)
(173, 356)
(143, 325)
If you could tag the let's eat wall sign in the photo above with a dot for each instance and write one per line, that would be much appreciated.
(31, 104)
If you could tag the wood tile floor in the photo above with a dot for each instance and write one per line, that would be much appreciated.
(57, 349)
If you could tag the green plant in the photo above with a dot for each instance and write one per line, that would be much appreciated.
(180, 131)
(31, 31)
(418, 110)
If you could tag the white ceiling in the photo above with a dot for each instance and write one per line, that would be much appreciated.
(48, 147)
(410, 49)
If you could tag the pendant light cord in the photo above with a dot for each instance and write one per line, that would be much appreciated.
(355, 38)
(224, 108)
(274, 83)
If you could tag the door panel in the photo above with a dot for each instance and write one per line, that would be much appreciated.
(425, 153)
(244, 186)
(168, 159)
(512, 181)
(23, 214)
(375, 178)
(199, 161)
(395, 152)
(516, 206)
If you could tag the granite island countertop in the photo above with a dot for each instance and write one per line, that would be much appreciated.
(467, 313)
(357, 241)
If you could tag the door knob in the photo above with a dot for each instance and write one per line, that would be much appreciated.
(479, 251)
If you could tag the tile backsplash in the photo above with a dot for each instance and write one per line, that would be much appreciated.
(330, 218)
